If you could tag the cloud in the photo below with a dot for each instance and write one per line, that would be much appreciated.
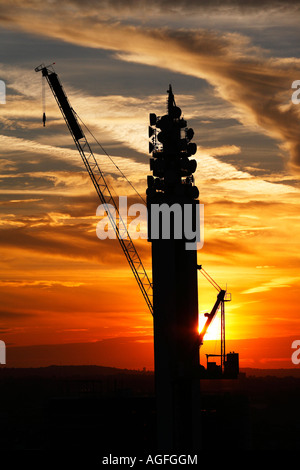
(257, 85)
(63, 237)
(18, 201)
(40, 283)
(142, 8)
(273, 284)
(19, 146)
(225, 177)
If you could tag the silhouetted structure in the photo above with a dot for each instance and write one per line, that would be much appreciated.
(171, 194)
(173, 228)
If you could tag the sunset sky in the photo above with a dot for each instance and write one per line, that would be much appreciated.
(231, 69)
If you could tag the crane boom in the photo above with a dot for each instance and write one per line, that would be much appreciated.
(210, 316)
(99, 183)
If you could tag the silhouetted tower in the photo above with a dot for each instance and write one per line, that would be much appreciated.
(172, 224)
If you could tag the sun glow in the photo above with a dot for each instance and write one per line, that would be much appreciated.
(214, 329)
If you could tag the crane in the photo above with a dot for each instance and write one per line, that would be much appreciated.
(222, 297)
(99, 182)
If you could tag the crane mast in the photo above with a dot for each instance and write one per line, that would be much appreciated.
(99, 182)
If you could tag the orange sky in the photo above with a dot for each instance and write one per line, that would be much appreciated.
(60, 284)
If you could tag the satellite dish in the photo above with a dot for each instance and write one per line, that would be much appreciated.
(192, 166)
(153, 119)
(190, 134)
(192, 148)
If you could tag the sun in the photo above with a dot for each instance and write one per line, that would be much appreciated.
(214, 329)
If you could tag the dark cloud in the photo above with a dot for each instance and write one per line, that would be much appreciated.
(12, 315)
(73, 240)
(167, 6)
(65, 242)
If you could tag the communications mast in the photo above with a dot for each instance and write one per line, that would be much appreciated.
(174, 276)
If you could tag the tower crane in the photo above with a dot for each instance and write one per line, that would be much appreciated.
(99, 182)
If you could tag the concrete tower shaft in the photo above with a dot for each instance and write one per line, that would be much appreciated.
(171, 190)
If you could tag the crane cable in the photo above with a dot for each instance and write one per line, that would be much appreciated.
(110, 158)
(44, 100)
(209, 278)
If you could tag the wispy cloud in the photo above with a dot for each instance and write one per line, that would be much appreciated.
(258, 85)
(273, 284)
(39, 283)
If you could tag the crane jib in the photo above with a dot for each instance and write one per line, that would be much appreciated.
(99, 183)
(64, 103)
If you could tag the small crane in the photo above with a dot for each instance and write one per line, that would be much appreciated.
(222, 297)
